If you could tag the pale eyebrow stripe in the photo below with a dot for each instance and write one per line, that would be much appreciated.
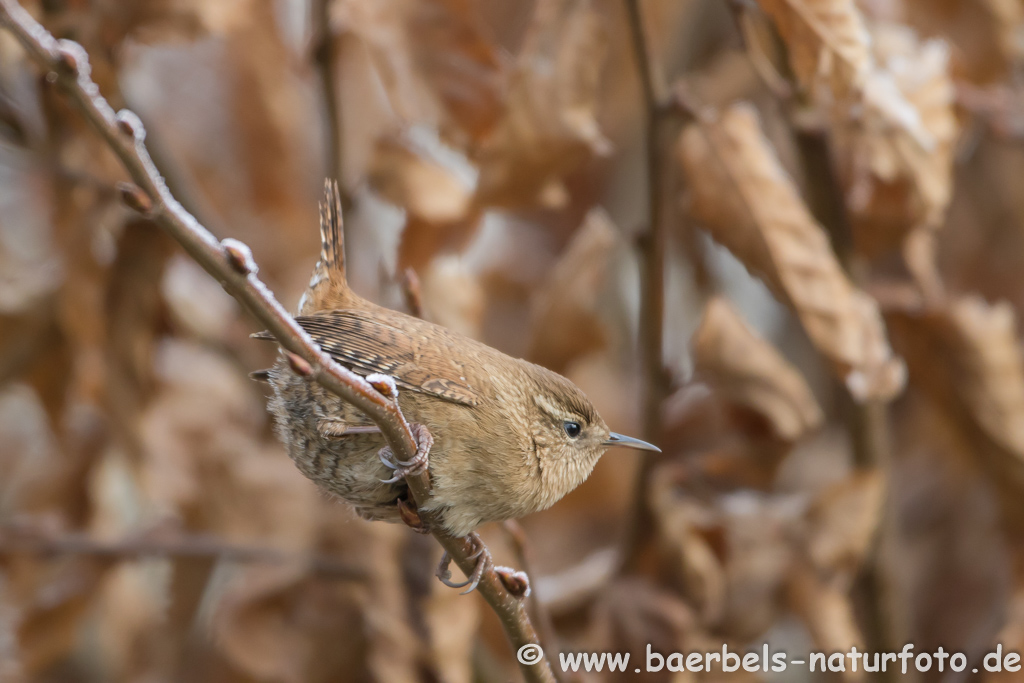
(555, 411)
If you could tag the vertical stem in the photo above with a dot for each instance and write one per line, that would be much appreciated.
(545, 624)
(866, 423)
(325, 58)
(653, 247)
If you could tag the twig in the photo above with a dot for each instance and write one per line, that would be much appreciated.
(521, 547)
(412, 292)
(325, 54)
(661, 115)
(30, 542)
(231, 263)
(867, 424)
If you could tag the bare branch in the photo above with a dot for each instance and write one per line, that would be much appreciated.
(662, 123)
(19, 541)
(67, 65)
(325, 54)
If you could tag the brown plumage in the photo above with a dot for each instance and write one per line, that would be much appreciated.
(510, 437)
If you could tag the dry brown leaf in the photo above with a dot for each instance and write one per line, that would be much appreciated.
(965, 359)
(157, 21)
(890, 101)
(744, 197)
(254, 628)
(381, 26)
(451, 625)
(827, 612)
(990, 368)
(748, 370)
(1008, 16)
(453, 296)
(1011, 636)
(985, 33)
(434, 59)
(550, 126)
(205, 460)
(50, 599)
(827, 39)
(421, 186)
(460, 61)
(968, 357)
(565, 317)
(843, 522)
(896, 156)
(631, 615)
(758, 556)
(686, 528)
(440, 215)
(730, 555)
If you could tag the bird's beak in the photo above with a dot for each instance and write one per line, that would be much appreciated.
(628, 441)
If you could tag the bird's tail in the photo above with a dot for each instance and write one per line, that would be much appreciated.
(328, 289)
(332, 233)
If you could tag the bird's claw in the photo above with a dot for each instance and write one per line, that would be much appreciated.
(419, 462)
(483, 558)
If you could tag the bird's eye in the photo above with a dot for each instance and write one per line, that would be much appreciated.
(573, 429)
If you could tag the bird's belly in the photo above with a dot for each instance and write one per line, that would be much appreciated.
(348, 465)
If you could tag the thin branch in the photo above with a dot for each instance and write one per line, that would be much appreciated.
(521, 548)
(31, 542)
(412, 292)
(661, 118)
(325, 54)
(867, 424)
(231, 263)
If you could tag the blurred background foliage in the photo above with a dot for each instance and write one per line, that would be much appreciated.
(844, 434)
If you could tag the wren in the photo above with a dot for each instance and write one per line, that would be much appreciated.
(509, 437)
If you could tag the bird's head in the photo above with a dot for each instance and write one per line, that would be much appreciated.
(569, 436)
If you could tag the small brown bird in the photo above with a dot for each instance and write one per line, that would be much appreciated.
(509, 437)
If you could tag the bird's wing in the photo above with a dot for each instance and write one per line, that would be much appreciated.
(420, 358)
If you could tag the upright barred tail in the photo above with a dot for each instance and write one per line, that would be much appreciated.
(328, 289)
(332, 233)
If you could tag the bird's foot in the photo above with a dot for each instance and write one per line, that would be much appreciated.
(419, 462)
(483, 558)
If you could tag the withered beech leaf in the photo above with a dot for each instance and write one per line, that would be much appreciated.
(632, 614)
(685, 527)
(842, 522)
(463, 64)
(890, 102)
(896, 152)
(433, 58)
(991, 368)
(827, 39)
(744, 197)
(418, 184)
(440, 215)
(564, 314)
(748, 370)
(549, 127)
(1008, 17)
(161, 21)
(827, 612)
(382, 28)
(453, 296)
(967, 356)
